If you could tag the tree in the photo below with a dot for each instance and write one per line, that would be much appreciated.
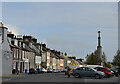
(109, 65)
(116, 60)
(91, 59)
(44, 64)
(104, 58)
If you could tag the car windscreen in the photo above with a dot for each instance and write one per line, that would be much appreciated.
(94, 69)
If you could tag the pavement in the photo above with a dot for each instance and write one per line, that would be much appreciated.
(56, 77)
(8, 77)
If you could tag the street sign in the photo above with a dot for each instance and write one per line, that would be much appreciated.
(37, 64)
(73, 66)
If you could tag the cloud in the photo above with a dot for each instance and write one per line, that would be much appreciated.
(14, 29)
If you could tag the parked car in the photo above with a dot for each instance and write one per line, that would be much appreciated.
(116, 70)
(43, 70)
(108, 73)
(38, 70)
(87, 72)
(32, 71)
(55, 70)
(49, 70)
(58, 70)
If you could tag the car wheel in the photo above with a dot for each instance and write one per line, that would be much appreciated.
(97, 76)
(107, 75)
(116, 75)
(77, 75)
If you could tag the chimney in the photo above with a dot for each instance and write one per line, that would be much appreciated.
(3, 33)
(19, 37)
(34, 40)
(1, 24)
(27, 38)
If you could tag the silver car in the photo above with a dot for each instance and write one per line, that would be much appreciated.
(87, 72)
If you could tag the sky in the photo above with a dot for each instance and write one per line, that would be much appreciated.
(66, 26)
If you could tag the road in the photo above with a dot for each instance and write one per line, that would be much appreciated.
(56, 77)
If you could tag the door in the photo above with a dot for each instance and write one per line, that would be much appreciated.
(89, 72)
(81, 71)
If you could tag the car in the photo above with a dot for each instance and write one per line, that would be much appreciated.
(32, 71)
(54, 70)
(87, 72)
(43, 70)
(116, 70)
(49, 70)
(38, 70)
(108, 73)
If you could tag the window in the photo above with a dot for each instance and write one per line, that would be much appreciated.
(97, 68)
(78, 68)
(21, 44)
(12, 42)
(14, 53)
(82, 69)
(20, 54)
(17, 53)
(88, 69)
(18, 43)
(102, 69)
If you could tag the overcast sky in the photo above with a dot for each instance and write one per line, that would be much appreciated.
(68, 27)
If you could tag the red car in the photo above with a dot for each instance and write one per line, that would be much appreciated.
(105, 70)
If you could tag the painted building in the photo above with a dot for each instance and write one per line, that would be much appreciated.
(31, 58)
(20, 54)
(61, 63)
(23, 54)
(58, 63)
(54, 63)
(65, 61)
(51, 62)
(38, 61)
(6, 53)
(68, 61)
(44, 60)
(52, 55)
(48, 59)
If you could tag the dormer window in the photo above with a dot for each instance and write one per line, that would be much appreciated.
(12, 42)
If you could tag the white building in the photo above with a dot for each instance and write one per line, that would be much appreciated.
(38, 61)
(5, 53)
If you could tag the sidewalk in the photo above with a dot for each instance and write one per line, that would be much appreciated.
(4, 78)
(13, 75)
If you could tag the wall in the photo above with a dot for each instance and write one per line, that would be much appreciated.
(44, 57)
(58, 63)
(61, 63)
(54, 63)
(38, 61)
(6, 53)
(48, 60)
(0, 56)
(31, 58)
